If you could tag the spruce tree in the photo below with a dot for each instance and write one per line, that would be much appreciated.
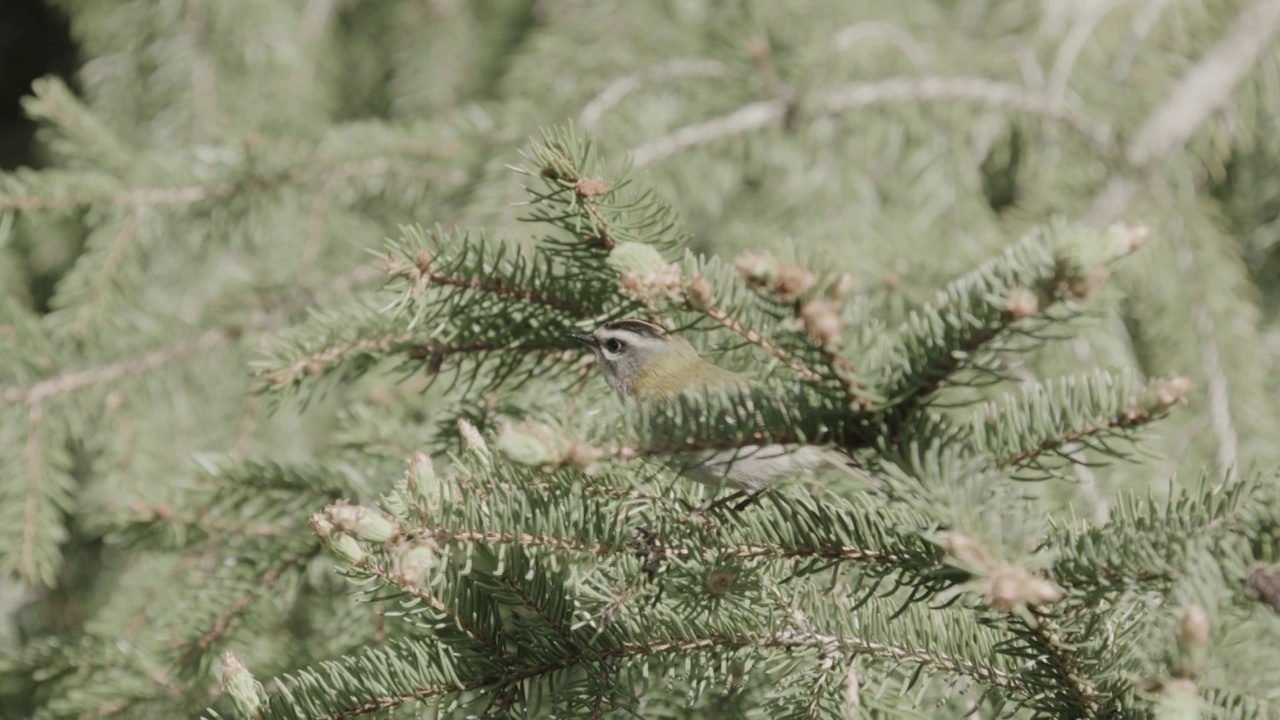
(293, 425)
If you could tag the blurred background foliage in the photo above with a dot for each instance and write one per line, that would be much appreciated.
(206, 171)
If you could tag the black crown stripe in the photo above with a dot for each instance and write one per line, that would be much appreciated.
(639, 327)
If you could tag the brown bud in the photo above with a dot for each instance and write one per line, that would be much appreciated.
(756, 268)
(414, 562)
(843, 287)
(471, 436)
(590, 188)
(423, 260)
(1263, 584)
(1126, 239)
(970, 555)
(699, 293)
(1021, 303)
(1193, 628)
(1011, 588)
(792, 281)
(719, 583)
(1171, 390)
(821, 321)
(1082, 287)
(364, 523)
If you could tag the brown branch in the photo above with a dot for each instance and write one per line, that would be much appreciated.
(497, 287)
(755, 338)
(223, 622)
(202, 520)
(1081, 688)
(317, 362)
(743, 552)
(1120, 421)
(128, 230)
(72, 381)
(627, 650)
(439, 606)
(552, 622)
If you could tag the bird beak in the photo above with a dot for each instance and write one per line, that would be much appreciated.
(585, 339)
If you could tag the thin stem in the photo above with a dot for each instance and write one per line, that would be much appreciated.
(72, 381)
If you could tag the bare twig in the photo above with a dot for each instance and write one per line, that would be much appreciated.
(1088, 16)
(1143, 22)
(1217, 390)
(204, 84)
(615, 91)
(1203, 89)
(976, 90)
(847, 37)
(140, 365)
(773, 113)
(756, 116)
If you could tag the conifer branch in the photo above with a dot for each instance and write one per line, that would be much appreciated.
(194, 194)
(1135, 412)
(438, 605)
(102, 276)
(33, 455)
(1067, 668)
(737, 328)
(749, 551)
(630, 650)
(147, 362)
(422, 275)
(195, 648)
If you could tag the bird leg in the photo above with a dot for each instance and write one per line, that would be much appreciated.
(715, 504)
(749, 499)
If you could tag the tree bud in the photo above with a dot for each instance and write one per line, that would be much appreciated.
(1193, 642)
(414, 563)
(528, 444)
(639, 258)
(362, 522)
(239, 685)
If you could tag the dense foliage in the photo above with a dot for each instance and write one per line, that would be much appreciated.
(293, 427)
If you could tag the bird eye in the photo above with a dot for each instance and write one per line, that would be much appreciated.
(613, 345)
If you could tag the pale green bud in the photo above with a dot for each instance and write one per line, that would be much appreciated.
(1179, 700)
(341, 544)
(346, 547)
(639, 258)
(1193, 642)
(414, 562)
(239, 685)
(362, 522)
(528, 444)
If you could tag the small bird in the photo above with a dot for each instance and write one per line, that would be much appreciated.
(643, 362)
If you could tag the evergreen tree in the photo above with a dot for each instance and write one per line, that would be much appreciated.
(293, 425)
